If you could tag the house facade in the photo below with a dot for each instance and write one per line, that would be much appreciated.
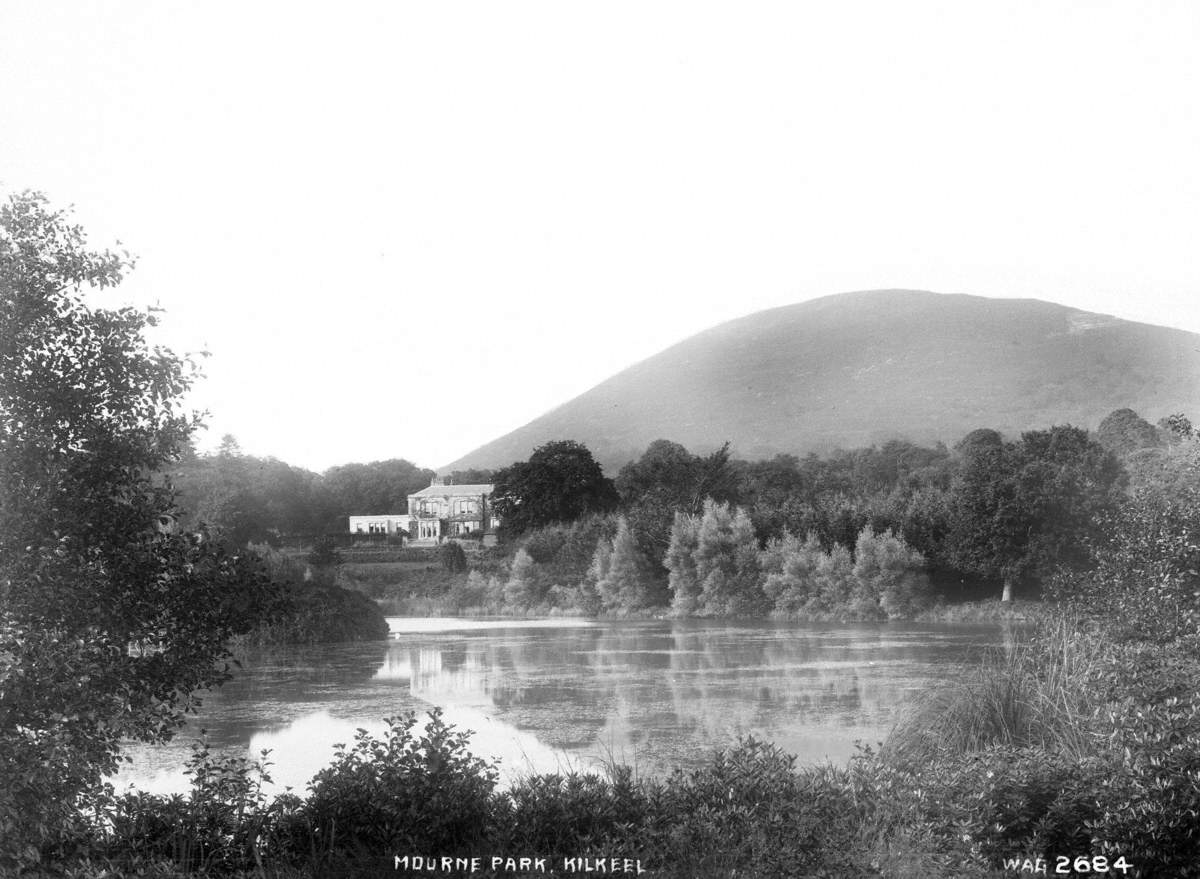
(392, 523)
(435, 513)
(451, 511)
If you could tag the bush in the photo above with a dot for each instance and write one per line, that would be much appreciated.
(324, 553)
(452, 556)
(221, 827)
(469, 593)
(748, 812)
(397, 794)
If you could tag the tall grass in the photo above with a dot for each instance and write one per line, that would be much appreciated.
(1036, 693)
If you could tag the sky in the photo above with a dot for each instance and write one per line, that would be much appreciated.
(404, 229)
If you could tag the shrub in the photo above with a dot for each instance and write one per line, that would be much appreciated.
(563, 815)
(324, 553)
(221, 827)
(748, 812)
(468, 593)
(400, 793)
(452, 556)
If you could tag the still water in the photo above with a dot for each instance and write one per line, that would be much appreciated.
(553, 695)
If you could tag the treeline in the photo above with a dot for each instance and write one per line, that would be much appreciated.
(869, 533)
(261, 500)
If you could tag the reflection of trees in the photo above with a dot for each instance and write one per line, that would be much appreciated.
(658, 694)
(535, 680)
(665, 692)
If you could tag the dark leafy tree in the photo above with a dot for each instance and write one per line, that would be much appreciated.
(560, 482)
(1021, 509)
(978, 440)
(1144, 576)
(1144, 580)
(111, 618)
(670, 476)
(249, 499)
(377, 487)
(666, 480)
(1124, 432)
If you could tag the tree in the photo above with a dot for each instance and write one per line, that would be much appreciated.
(110, 617)
(472, 476)
(835, 582)
(1021, 509)
(1144, 580)
(622, 585)
(1124, 432)
(249, 499)
(727, 563)
(890, 574)
(377, 487)
(790, 565)
(520, 590)
(668, 479)
(560, 482)
(680, 560)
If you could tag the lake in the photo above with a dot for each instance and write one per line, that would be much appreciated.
(548, 695)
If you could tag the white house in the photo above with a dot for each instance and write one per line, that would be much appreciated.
(436, 512)
(384, 524)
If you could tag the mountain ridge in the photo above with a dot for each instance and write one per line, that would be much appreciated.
(853, 369)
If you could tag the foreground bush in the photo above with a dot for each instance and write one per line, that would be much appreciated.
(402, 793)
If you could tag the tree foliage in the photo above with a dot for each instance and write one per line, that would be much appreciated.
(1123, 432)
(110, 618)
(521, 588)
(883, 578)
(1143, 579)
(559, 483)
(713, 561)
(684, 580)
(1020, 509)
(889, 574)
(622, 583)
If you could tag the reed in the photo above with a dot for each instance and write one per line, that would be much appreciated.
(1036, 693)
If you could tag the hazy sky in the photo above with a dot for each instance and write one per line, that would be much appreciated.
(402, 229)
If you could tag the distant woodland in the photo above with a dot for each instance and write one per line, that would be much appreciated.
(870, 533)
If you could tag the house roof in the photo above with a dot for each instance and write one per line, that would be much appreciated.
(453, 491)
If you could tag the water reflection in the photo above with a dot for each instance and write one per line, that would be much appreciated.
(658, 694)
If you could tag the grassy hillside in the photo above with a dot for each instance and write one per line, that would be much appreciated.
(859, 368)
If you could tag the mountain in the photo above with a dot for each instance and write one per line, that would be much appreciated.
(860, 368)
